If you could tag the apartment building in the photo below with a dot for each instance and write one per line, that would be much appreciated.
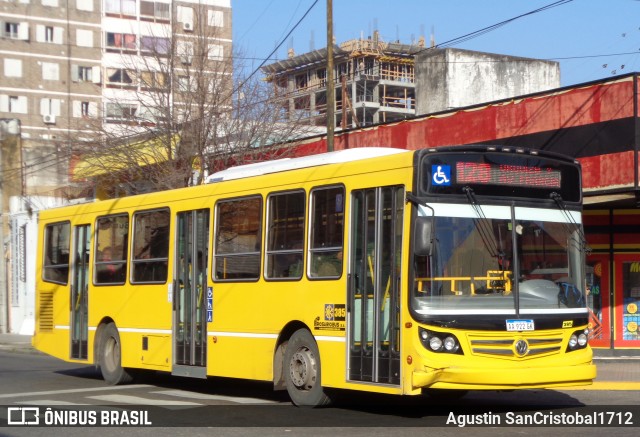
(69, 66)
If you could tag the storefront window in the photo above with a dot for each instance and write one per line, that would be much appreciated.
(631, 300)
(594, 300)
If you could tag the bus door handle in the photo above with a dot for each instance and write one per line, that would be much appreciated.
(174, 298)
(350, 290)
(72, 298)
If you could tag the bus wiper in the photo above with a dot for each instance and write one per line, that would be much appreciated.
(484, 227)
(563, 208)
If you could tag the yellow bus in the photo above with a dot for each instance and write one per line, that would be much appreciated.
(373, 269)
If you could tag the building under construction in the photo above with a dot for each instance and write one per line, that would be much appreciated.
(375, 83)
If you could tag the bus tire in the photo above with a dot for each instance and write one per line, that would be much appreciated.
(111, 357)
(302, 371)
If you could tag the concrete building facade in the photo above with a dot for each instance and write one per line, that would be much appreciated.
(454, 78)
(66, 65)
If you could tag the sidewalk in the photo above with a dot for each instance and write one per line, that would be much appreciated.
(617, 369)
(16, 342)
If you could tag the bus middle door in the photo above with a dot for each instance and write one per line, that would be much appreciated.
(78, 301)
(191, 298)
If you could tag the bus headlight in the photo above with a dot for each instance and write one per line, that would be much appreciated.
(435, 344)
(424, 335)
(450, 344)
(578, 340)
(439, 341)
(583, 339)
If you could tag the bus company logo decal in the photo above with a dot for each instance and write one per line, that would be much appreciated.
(334, 318)
(335, 312)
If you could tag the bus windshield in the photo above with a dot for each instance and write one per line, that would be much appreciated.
(497, 264)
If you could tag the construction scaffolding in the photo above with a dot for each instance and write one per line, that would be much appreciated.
(374, 83)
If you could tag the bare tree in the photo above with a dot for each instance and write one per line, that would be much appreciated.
(177, 111)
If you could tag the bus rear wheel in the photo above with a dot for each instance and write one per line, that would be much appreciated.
(111, 357)
(302, 371)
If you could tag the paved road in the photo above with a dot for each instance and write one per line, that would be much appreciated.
(221, 406)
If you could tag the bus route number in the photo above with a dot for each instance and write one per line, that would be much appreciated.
(520, 325)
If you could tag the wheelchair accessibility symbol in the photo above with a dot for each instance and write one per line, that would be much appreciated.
(441, 175)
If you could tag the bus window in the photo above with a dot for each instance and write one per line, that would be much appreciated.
(111, 249)
(327, 221)
(56, 253)
(285, 235)
(150, 246)
(238, 239)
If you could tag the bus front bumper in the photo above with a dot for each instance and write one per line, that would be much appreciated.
(504, 378)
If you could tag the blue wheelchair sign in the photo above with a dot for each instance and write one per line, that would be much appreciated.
(441, 175)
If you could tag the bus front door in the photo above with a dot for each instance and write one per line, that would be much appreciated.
(79, 290)
(374, 281)
(192, 297)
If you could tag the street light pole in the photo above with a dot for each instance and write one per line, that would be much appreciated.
(331, 86)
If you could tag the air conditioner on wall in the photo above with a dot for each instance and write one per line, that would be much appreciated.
(188, 26)
(49, 119)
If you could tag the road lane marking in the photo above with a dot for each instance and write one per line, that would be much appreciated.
(138, 400)
(204, 396)
(76, 390)
(47, 403)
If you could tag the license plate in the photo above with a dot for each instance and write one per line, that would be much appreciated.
(520, 325)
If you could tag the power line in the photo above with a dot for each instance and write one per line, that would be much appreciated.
(256, 20)
(488, 29)
(602, 55)
(277, 47)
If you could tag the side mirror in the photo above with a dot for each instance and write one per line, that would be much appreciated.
(422, 236)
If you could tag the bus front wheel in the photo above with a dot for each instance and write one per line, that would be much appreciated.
(302, 371)
(111, 356)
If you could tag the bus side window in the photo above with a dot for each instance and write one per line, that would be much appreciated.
(238, 239)
(327, 231)
(149, 262)
(56, 253)
(285, 220)
(110, 262)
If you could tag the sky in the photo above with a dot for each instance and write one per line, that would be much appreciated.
(592, 39)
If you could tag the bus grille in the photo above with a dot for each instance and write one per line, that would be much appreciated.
(45, 321)
(515, 347)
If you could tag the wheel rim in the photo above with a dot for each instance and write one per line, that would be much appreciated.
(111, 354)
(303, 369)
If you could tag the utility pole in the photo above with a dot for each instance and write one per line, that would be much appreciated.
(10, 159)
(331, 86)
(4, 304)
